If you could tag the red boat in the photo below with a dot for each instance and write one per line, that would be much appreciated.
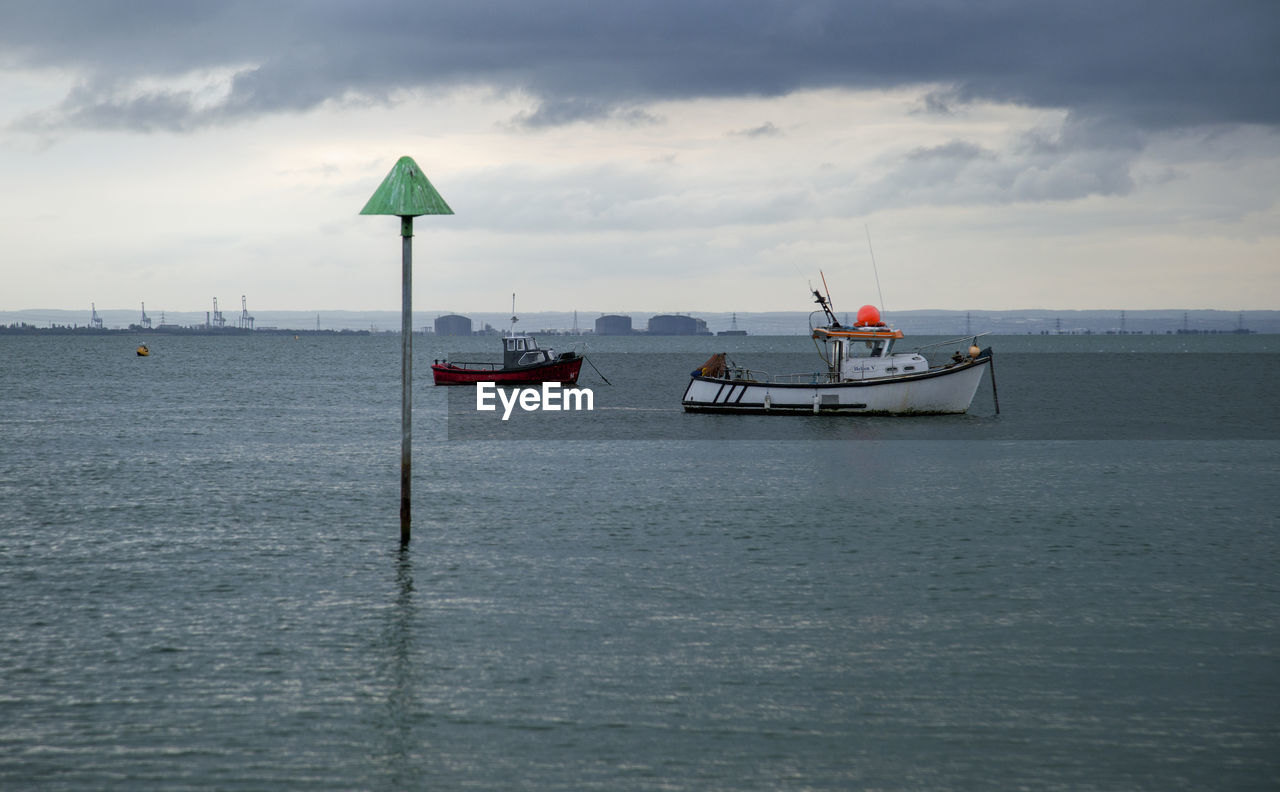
(523, 363)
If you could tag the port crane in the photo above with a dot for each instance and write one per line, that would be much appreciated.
(245, 322)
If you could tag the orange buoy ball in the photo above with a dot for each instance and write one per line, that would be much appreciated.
(868, 315)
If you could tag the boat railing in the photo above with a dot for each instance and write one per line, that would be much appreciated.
(972, 339)
(804, 378)
(937, 356)
(743, 374)
(485, 364)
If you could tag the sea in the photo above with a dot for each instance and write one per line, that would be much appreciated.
(203, 587)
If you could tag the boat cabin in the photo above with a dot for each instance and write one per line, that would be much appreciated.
(864, 353)
(522, 351)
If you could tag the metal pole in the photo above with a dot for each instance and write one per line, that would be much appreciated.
(406, 371)
(995, 397)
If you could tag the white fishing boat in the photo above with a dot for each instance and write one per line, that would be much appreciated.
(863, 375)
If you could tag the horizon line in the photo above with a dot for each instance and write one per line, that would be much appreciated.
(685, 312)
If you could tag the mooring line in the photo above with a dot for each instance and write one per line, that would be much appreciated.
(593, 365)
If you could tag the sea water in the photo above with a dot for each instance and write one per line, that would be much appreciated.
(202, 586)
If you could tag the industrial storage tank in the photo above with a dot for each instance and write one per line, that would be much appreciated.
(613, 325)
(453, 325)
(670, 324)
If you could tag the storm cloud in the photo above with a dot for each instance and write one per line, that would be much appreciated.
(722, 149)
(1143, 65)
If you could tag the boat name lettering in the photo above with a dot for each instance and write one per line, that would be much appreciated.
(551, 397)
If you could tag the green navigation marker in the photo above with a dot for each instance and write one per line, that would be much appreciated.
(406, 193)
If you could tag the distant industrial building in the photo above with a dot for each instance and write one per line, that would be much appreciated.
(672, 324)
(453, 325)
(613, 325)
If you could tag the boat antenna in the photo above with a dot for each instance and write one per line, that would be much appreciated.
(825, 302)
(513, 314)
(874, 271)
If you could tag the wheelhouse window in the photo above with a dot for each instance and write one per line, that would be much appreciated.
(866, 349)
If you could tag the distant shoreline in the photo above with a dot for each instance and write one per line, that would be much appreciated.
(546, 323)
(189, 331)
(241, 332)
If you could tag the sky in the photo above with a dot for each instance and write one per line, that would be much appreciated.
(714, 155)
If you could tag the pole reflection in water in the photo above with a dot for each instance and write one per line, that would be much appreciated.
(404, 754)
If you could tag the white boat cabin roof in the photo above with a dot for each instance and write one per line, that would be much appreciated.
(860, 333)
(877, 339)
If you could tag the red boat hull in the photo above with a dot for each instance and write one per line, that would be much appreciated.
(564, 372)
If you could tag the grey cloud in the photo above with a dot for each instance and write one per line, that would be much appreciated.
(1076, 161)
(557, 112)
(98, 108)
(939, 103)
(767, 129)
(1148, 64)
(957, 151)
(610, 198)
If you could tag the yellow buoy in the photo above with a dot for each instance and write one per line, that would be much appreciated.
(143, 351)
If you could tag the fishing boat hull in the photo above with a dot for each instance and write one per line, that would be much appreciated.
(937, 391)
(562, 370)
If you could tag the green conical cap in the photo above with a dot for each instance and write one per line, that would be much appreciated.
(406, 192)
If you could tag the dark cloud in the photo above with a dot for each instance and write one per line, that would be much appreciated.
(939, 103)
(1147, 64)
